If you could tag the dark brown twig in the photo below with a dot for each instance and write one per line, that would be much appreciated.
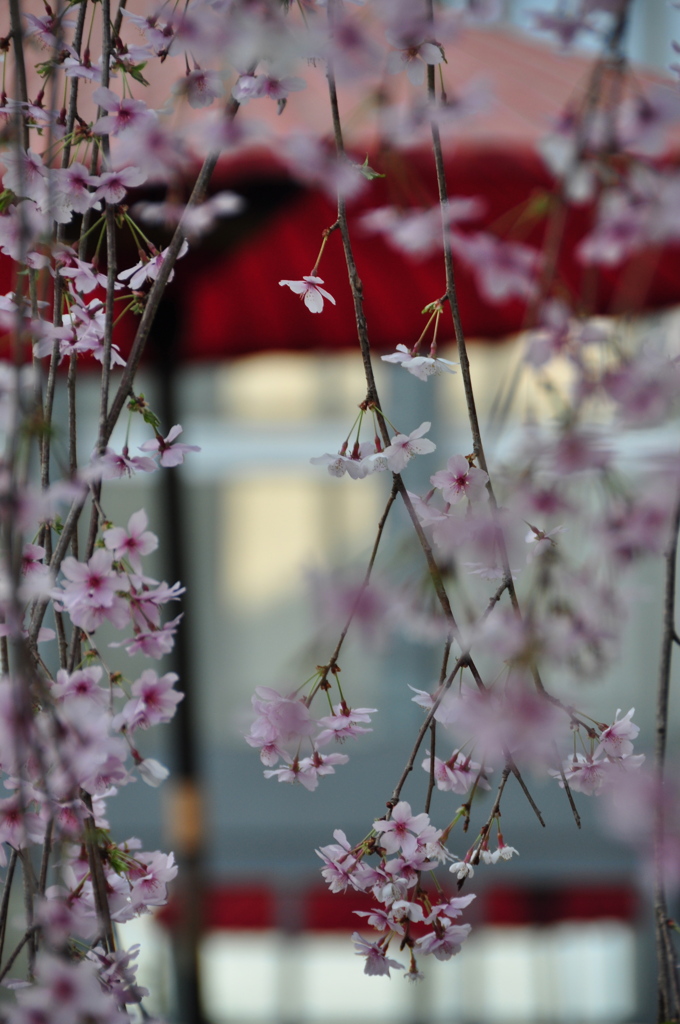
(668, 982)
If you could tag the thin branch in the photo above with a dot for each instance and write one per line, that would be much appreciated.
(30, 889)
(567, 787)
(493, 813)
(6, 893)
(101, 900)
(372, 396)
(668, 982)
(431, 779)
(473, 418)
(45, 861)
(20, 64)
(15, 953)
(516, 772)
(367, 577)
(394, 799)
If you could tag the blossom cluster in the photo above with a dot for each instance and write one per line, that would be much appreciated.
(287, 720)
(406, 845)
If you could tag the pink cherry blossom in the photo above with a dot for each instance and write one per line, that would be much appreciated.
(344, 722)
(171, 452)
(72, 186)
(420, 366)
(615, 741)
(154, 701)
(457, 774)
(303, 772)
(113, 185)
(149, 269)
(541, 541)
(123, 113)
(149, 875)
(114, 465)
(154, 642)
(414, 53)
(502, 852)
(401, 827)
(133, 542)
(83, 683)
(340, 864)
(25, 174)
(445, 941)
(308, 289)
(405, 446)
(249, 87)
(460, 480)
(83, 276)
(311, 768)
(503, 270)
(280, 719)
(363, 460)
(200, 87)
(90, 592)
(377, 962)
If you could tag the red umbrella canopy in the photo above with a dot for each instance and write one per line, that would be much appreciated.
(226, 299)
(230, 301)
(228, 296)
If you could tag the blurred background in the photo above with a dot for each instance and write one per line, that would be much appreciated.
(258, 535)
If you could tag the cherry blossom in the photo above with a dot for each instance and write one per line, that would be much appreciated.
(445, 941)
(123, 114)
(503, 270)
(171, 452)
(344, 722)
(113, 185)
(133, 542)
(149, 269)
(363, 460)
(413, 54)
(83, 683)
(615, 740)
(250, 87)
(420, 366)
(541, 541)
(308, 289)
(340, 863)
(154, 701)
(405, 446)
(201, 87)
(91, 591)
(152, 772)
(460, 480)
(502, 852)
(280, 719)
(83, 276)
(457, 774)
(401, 827)
(377, 962)
(25, 174)
(115, 466)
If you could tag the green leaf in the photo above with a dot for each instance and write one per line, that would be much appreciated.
(367, 171)
(136, 72)
(6, 199)
(537, 207)
(151, 418)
